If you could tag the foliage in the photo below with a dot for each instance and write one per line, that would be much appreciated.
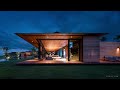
(5, 50)
(117, 38)
(18, 54)
(34, 51)
(103, 38)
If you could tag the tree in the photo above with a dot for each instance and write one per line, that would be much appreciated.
(103, 38)
(117, 38)
(5, 50)
(34, 50)
(18, 54)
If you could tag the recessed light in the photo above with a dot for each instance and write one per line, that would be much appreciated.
(47, 36)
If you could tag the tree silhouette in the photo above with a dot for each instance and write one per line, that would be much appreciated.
(117, 38)
(34, 50)
(103, 38)
(5, 50)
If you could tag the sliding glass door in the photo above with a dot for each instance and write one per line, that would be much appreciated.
(74, 50)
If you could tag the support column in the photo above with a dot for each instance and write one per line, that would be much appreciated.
(81, 50)
(68, 50)
(43, 52)
(39, 53)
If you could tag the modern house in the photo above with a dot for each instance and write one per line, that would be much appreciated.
(83, 47)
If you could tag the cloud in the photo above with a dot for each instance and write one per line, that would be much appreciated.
(50, 21)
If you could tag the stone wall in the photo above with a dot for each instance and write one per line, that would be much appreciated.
(109, 49)
(91, 49)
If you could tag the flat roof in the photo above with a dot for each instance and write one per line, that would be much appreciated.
(33, 37)
(98, 34)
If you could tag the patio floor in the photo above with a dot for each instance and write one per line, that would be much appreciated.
(39, 62)
(54, 62)
(109, 62)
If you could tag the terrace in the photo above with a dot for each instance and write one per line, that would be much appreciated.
(57, 62)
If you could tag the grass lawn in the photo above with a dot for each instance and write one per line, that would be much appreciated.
(1, 57)
(9, 70)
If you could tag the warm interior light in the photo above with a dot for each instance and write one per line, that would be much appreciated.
(54, 45)
(117, 50)
(32, 41)
(64, 53)
(47, 36)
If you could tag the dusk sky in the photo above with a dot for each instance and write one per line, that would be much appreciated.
(50, 21)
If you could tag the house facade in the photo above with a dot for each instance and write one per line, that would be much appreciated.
(83, 47)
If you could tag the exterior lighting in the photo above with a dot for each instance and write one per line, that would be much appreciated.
(47, 36)
(8, 57)
(118, 49)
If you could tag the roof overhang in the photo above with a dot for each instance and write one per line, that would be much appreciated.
(54, 38)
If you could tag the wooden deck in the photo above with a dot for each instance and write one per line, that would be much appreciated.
(39, 62)
(54, 62)
(109, 62)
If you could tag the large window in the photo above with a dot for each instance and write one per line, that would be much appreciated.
(74, 50)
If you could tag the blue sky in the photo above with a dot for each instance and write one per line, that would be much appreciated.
(50, 21)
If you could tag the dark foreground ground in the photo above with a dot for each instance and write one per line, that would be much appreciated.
(9, 70)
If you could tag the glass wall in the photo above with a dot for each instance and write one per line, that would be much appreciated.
(74, 50)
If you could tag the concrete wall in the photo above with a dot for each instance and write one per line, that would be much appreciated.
(109, 49)
(91, 49)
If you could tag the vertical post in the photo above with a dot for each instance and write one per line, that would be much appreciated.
(81, 50)
(39, 51)
(43, 52)
(68, 50)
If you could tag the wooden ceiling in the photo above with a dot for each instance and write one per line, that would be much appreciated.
(54, 45)
(49, 44)
(32, 38)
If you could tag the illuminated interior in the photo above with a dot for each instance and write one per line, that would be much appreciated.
(58, 46)
(58, 50)
(54, 45)
(74, 50)
(117, 51)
